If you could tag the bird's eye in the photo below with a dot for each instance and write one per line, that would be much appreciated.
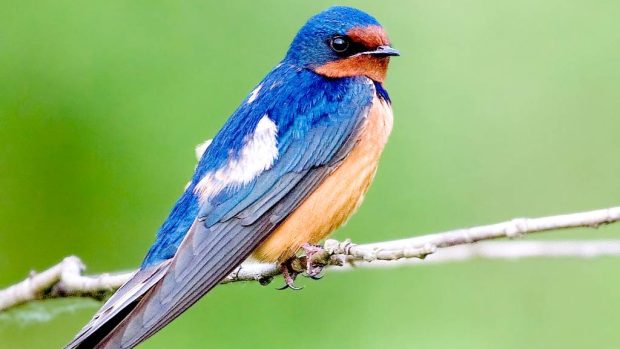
(339, 44)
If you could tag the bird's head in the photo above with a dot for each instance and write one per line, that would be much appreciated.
(343, 42)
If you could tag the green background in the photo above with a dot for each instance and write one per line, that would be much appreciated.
(502, 109)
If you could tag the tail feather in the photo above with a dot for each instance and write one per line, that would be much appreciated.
(118, 307)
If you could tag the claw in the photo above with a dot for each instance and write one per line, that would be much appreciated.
(289, 275)
(291, 268)
(312, 271)
(315, 277)
(291, 286)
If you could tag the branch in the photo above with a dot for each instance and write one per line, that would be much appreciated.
(66, 280)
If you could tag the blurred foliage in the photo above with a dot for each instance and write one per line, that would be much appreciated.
(502, 109)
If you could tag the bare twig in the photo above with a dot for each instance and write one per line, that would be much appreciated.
(65, 279)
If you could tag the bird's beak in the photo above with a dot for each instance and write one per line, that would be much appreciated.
(382, 51)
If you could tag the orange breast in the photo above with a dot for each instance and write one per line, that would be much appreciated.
(337, 198)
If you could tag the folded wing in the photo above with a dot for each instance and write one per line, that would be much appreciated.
(231, 224)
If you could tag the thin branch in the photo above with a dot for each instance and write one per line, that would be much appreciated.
(66, 280)
(502, 250)
(421, 246)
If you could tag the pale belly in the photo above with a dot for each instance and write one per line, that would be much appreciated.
(337, 198)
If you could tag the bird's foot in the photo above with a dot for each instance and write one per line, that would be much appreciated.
(313, 269)
(289, 273)
(312, 263)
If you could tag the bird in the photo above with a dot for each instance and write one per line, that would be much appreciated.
(290, 165)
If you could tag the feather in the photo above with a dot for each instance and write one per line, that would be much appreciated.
(315, 132)
(121, 303)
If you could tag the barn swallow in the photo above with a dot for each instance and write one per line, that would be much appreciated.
(289, 166)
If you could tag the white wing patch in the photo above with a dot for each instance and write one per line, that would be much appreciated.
(257, 155)
(254, 94)
(201, 148)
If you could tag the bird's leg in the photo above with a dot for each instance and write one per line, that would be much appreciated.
(290, 274)
(315, 260)
(313, 270)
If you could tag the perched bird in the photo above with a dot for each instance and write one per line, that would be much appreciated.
(290, 165)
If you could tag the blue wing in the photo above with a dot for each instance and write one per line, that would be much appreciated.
(316, 131)
(317, 120)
